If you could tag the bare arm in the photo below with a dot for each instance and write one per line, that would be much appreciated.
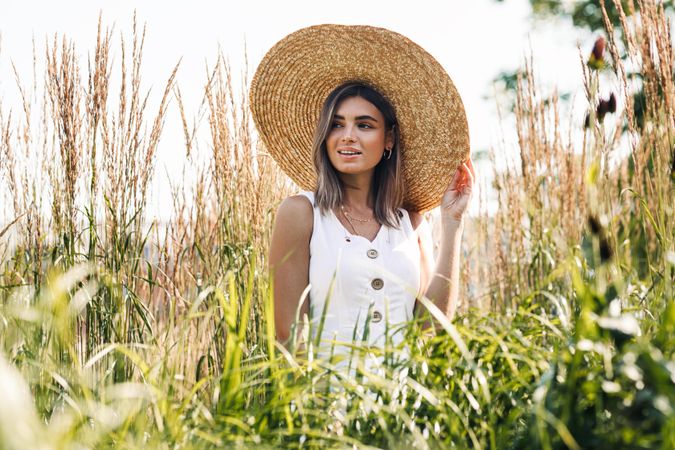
(289, 261)
(440, 279)
(443, 280)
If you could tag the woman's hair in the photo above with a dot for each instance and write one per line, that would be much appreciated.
(388, 189)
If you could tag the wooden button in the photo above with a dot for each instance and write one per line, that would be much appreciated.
(377, 316)
(372, 253)
(377, 284)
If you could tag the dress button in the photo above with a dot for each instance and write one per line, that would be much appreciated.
(372, 253)
(377, 316)
(377, 284)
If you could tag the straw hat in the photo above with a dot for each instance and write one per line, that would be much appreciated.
(297, 74)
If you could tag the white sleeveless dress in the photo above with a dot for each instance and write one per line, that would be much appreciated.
(351, 276)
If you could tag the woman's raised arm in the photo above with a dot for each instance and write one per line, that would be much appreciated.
(289, 261)
(443, 285)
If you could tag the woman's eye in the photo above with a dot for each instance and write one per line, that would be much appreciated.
(336, 125)
(364, 125)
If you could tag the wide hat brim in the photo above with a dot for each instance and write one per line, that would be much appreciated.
(296, 75)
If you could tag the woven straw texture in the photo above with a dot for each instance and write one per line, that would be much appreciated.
(297, 74)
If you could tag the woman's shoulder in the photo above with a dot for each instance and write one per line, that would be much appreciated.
(298, 204)
(296, 214)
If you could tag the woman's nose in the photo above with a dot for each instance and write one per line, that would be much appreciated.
(347, 135)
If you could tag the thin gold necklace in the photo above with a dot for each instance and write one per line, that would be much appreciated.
(356, 233)
(350, 222)
(349, 216)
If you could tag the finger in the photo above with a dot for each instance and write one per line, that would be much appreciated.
(473, 170)
(461, 178)
(468, 182)
(469, 164)
(469, 172)
(456, 178)
(468, 189)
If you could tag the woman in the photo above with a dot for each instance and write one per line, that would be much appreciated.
(356, 238)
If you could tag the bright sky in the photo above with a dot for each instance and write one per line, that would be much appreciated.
(473, 40)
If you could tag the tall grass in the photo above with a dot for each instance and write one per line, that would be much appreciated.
(118, 331)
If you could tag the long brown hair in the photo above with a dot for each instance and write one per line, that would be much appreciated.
(388, 188)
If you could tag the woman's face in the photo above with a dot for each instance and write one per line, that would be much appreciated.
(357, 137)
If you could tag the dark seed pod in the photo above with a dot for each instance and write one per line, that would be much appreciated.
(606, 251)
(602, 109)
(611, 103)
(599, 48)
(606, 106)
(596, 61)
(594, 224)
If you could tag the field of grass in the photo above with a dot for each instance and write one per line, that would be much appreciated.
(117, 331)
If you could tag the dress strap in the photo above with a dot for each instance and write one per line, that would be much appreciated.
(406, 223)
(309, 195)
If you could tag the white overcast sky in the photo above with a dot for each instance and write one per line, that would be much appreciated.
(473, 40)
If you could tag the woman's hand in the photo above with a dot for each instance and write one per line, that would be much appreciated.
(456, 198)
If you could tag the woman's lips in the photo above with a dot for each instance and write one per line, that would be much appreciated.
(348, 152)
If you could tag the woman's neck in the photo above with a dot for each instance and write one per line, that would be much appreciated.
(356, 192)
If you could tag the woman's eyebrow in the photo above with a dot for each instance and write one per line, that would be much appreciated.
(337, 116)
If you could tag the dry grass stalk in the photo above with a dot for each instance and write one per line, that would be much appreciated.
(95, 174)
(648, 171)
(128, 153)
(62, 81)
(97, 104)
(106, 157)
(539, 196)
(229, 213)
(545, 197)
(25, 169)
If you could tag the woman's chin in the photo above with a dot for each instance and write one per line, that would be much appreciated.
(347, 169)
